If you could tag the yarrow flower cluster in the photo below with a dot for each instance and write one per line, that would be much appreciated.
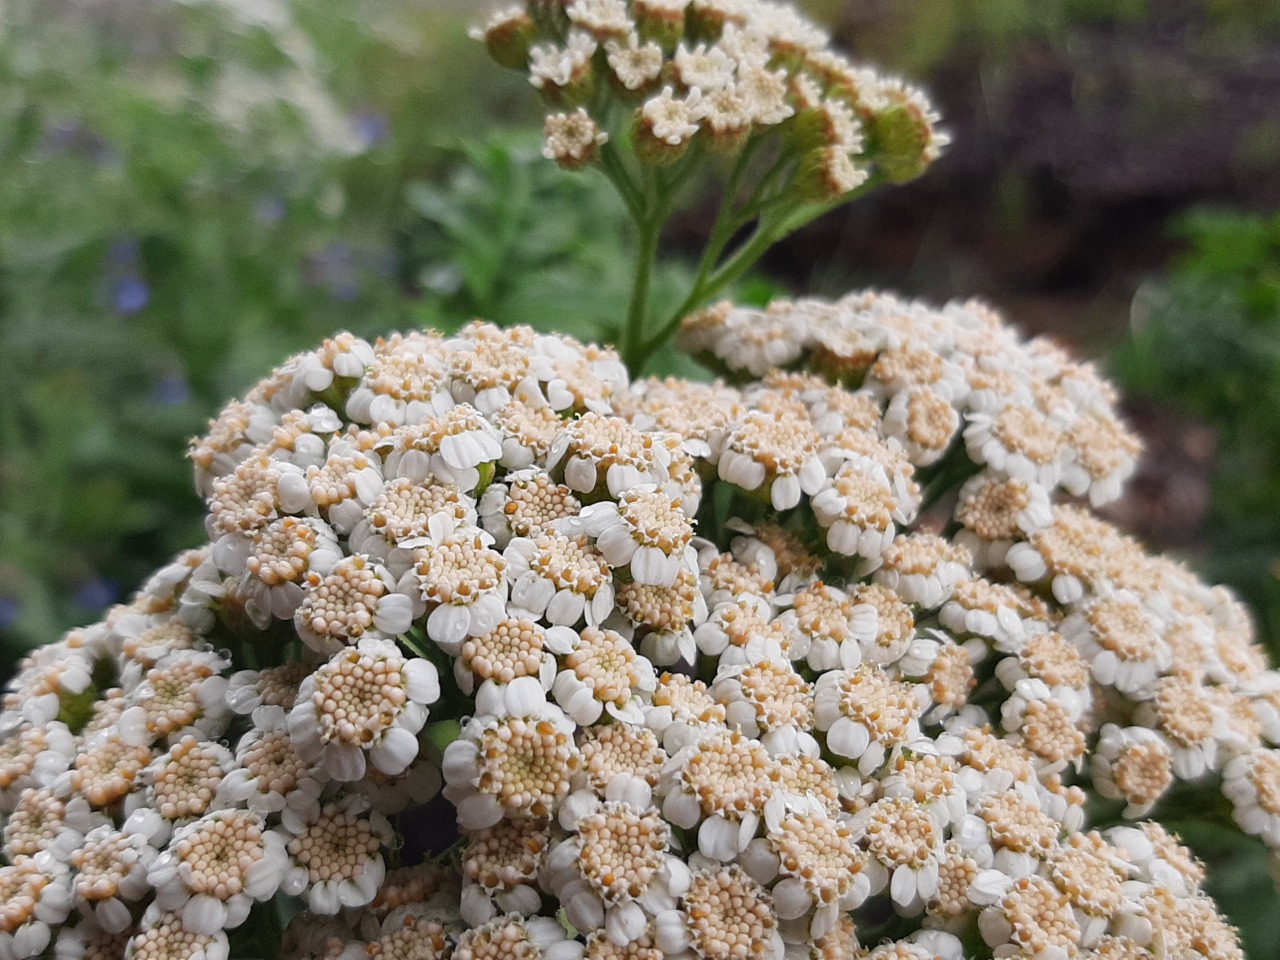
(493, 652)
(709, 76)
(652, 94)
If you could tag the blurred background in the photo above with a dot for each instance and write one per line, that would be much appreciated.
(190, 190)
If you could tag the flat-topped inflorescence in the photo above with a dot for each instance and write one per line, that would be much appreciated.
(744, 670)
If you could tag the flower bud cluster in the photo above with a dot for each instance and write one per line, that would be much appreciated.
(670, 668)
(666, 77)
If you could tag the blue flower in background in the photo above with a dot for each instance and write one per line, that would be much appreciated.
(269, 210)
(171, 389)
(131, 294)
(97, 593)
(10, 610)
(371, 126)
(333, 268)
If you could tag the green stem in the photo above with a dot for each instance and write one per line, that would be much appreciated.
(727, 222)
(413, 645)
(633, 335)
(612, 167)
(759, 196)
(765, 235)
(729, 271)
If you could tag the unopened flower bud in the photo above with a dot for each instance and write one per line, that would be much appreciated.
(634, 66)
(572, 139)
(829, 124)
(705, 21)
(507, 36)
(666, 125)
(603, 19)
(903, 140)
(727, 122)
(661, 21)
(827, 173)
(564, 74)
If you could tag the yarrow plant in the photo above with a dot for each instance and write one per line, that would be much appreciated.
(495, 650)
(652, 92)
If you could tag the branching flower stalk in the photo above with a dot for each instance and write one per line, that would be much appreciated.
(657, 94)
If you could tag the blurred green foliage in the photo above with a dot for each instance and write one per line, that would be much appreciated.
(189, 193)
(1206, 341)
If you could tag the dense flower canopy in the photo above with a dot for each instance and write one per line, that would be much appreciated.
(494, 651)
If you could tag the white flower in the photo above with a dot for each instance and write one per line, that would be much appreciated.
(1193, 724)
(572, 140)
(407, 514)
(1048, 726)
(723, 909)
(1251, 782)
(270, 777)
(922, 568)
(215, 868)
(344, 486)
(1131, 764)
(500, 868)
(995, 511)
(336, 860)
(635, 64)
(38, 897)
(1121, 641)
(368, 699)
(453, 447)
(1030, 913)
(646, 531)
(767, 699)
(742, 631)
(33, 756)
(164, 933)
(183, 693)
(682, 711)
(276, 562)
(33, 695)
(670, 119)
(358, 598)
(864, 714)
(615, 872)
(719, 784)
(514, 648)
(603, 673)
(552, 67)
(1105, 456)
(524, 503)
(275, 686)
(822, 870)
(536, 938)
(487, 771)
(560, 578)
(462, 581)
(179, 785)
(992, 611)
(827, 628)
(598, 452)
(111, 875)
(401, 384)
(859, 509)
(778, 449)
(906, 847)
(344, 356)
